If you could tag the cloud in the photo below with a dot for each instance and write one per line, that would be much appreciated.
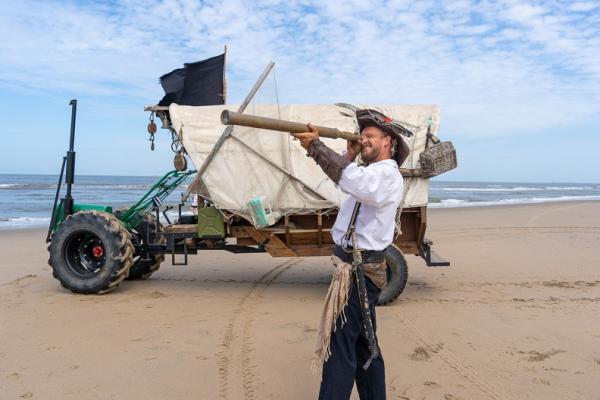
(582, 6)
(495, 68)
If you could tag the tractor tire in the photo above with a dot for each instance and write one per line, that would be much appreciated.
(142, 269)
(91, 252)
(397, 274)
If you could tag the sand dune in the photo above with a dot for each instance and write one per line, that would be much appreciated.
(515, 317)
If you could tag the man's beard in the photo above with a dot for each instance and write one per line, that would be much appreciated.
(373, 154)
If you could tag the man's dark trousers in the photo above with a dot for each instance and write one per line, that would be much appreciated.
(349, 351)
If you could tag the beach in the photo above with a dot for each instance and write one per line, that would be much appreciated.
(514, 317)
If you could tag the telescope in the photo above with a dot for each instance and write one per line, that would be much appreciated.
(271, 124)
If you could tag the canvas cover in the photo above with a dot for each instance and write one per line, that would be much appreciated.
(253, 162)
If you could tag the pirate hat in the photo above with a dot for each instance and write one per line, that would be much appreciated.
(368, 117)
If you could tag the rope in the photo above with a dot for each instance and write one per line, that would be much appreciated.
(277, 94)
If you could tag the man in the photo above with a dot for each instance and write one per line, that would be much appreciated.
(343, 345)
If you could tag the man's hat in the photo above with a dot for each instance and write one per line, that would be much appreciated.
(368, 117)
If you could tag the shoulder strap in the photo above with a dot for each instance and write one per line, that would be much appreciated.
(352, 221)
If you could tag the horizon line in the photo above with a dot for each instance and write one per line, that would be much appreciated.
(436, 180)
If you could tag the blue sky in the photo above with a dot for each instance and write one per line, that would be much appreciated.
(518, 83)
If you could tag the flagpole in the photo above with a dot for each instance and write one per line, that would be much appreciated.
(224, 76)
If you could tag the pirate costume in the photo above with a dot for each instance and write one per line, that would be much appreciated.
(347, 345)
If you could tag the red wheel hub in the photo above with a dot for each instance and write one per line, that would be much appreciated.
(97, 251)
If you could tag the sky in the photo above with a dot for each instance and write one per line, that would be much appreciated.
(517, 83)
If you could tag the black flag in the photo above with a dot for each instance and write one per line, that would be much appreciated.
(196, 84)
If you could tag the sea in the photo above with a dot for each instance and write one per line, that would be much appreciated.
(26, 200)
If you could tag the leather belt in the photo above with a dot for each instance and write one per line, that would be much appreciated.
(368, 256)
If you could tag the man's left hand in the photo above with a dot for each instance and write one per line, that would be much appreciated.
(307, 137)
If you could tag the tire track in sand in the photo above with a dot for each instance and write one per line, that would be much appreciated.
(432, 347)
(236, 369)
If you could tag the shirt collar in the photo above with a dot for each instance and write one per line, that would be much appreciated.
(387, 161)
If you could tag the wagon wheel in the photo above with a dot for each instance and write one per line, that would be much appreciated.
(397, 274)
(91, 252)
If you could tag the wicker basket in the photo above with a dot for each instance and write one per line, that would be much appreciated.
(437, 159)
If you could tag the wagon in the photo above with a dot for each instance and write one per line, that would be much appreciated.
(256, 192)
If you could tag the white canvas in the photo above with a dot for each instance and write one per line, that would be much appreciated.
(254, 162)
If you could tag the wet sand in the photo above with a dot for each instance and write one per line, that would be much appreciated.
(515, 317)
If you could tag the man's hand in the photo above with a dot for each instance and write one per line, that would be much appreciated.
(307, 137)
(353, 148)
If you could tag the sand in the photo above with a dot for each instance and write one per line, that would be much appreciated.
(516, 316)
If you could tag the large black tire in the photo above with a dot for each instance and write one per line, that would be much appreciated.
(142, 269)
(397, 274)
(91, 252)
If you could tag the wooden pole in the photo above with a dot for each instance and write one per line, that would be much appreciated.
(195, 185)
(224, 76)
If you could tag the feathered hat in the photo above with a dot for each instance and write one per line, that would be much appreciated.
(369, 117)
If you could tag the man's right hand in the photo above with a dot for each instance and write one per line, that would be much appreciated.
(353, 148)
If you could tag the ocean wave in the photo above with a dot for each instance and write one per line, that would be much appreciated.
(114, 187)
(451, 203)
(517, 189)
(76, 186)
(34, 222)
(500, 189)
(571, 188)
(23, 222)
(11, 185)
(28, 186)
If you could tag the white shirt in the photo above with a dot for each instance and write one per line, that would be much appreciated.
(379, 187)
